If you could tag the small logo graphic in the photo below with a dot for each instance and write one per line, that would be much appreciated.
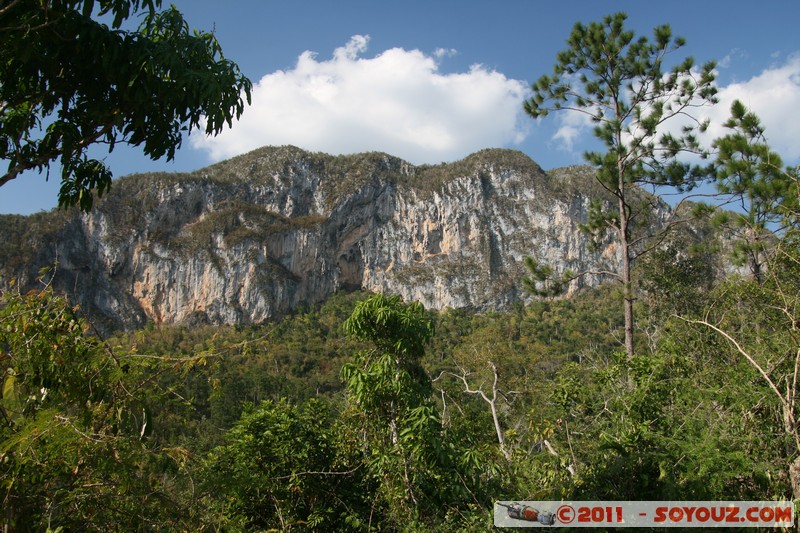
(519, 511)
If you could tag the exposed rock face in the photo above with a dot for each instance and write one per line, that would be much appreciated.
(259, 235)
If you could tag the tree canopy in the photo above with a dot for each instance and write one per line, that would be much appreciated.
(72, 76)
(749, 174)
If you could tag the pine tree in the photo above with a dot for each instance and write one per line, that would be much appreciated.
(619, 82)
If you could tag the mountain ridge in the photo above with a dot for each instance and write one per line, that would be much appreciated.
(248, 239)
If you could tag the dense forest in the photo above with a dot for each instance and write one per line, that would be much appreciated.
(372, 413)
(677, 380)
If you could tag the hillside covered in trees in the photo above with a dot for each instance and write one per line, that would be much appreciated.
(356, 408)
(397, 417)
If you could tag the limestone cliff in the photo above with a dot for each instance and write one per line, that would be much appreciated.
(259, 235)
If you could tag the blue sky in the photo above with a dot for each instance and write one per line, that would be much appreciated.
(434, 81)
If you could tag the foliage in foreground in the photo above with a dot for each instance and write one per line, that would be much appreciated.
(186, 429)
(74, 446)
(69, 81)
(374, 414)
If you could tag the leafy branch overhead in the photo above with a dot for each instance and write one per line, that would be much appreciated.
(70, 81)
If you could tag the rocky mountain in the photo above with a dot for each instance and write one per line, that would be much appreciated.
(254, 237)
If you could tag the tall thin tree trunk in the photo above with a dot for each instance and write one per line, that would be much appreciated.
(627, 287)
(396, 444)
(496, 419)
(624, 234)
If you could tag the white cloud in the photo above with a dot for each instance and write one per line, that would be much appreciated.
(773, 95)
(396, 102)
(732, 56)
(441, 53)
(573, 128)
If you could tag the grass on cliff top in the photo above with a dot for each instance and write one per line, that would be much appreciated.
(342, 175)
(136, 198)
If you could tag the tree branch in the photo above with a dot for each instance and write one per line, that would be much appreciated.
(746, 355)
(321, 473)
(491, 401)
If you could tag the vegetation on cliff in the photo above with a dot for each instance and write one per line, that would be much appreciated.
(367, 413)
